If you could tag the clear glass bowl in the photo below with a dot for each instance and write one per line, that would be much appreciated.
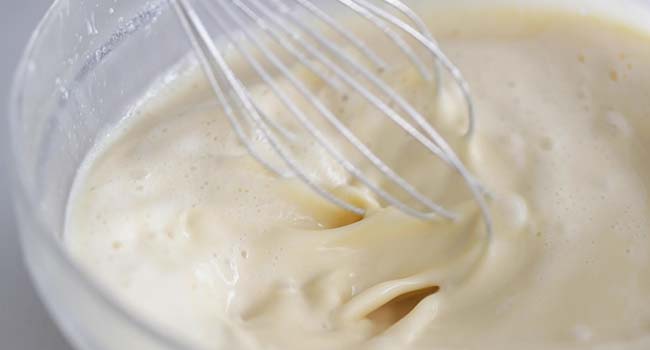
(88, 63)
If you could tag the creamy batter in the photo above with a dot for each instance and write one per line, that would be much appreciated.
(174, 217)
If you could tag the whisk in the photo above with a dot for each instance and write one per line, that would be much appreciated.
(297, 27)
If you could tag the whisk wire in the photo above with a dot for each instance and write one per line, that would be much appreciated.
(281, 22)
(322, 140)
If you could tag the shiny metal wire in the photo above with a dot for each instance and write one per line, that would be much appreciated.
(306, 44)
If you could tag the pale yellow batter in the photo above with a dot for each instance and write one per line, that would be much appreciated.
(172, 215)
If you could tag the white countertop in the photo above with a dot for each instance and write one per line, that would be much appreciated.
(24, 323)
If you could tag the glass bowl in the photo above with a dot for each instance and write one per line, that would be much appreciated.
(87, 65)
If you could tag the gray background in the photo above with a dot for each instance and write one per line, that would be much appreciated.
(24, 323)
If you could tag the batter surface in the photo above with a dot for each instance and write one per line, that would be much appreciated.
(174, 217)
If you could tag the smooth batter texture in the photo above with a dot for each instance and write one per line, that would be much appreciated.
(174, 217)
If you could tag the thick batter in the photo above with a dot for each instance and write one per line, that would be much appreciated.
(172, 215)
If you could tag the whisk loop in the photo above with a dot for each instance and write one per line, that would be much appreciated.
(301, 36)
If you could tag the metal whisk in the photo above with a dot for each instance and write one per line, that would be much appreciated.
(297, 28)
